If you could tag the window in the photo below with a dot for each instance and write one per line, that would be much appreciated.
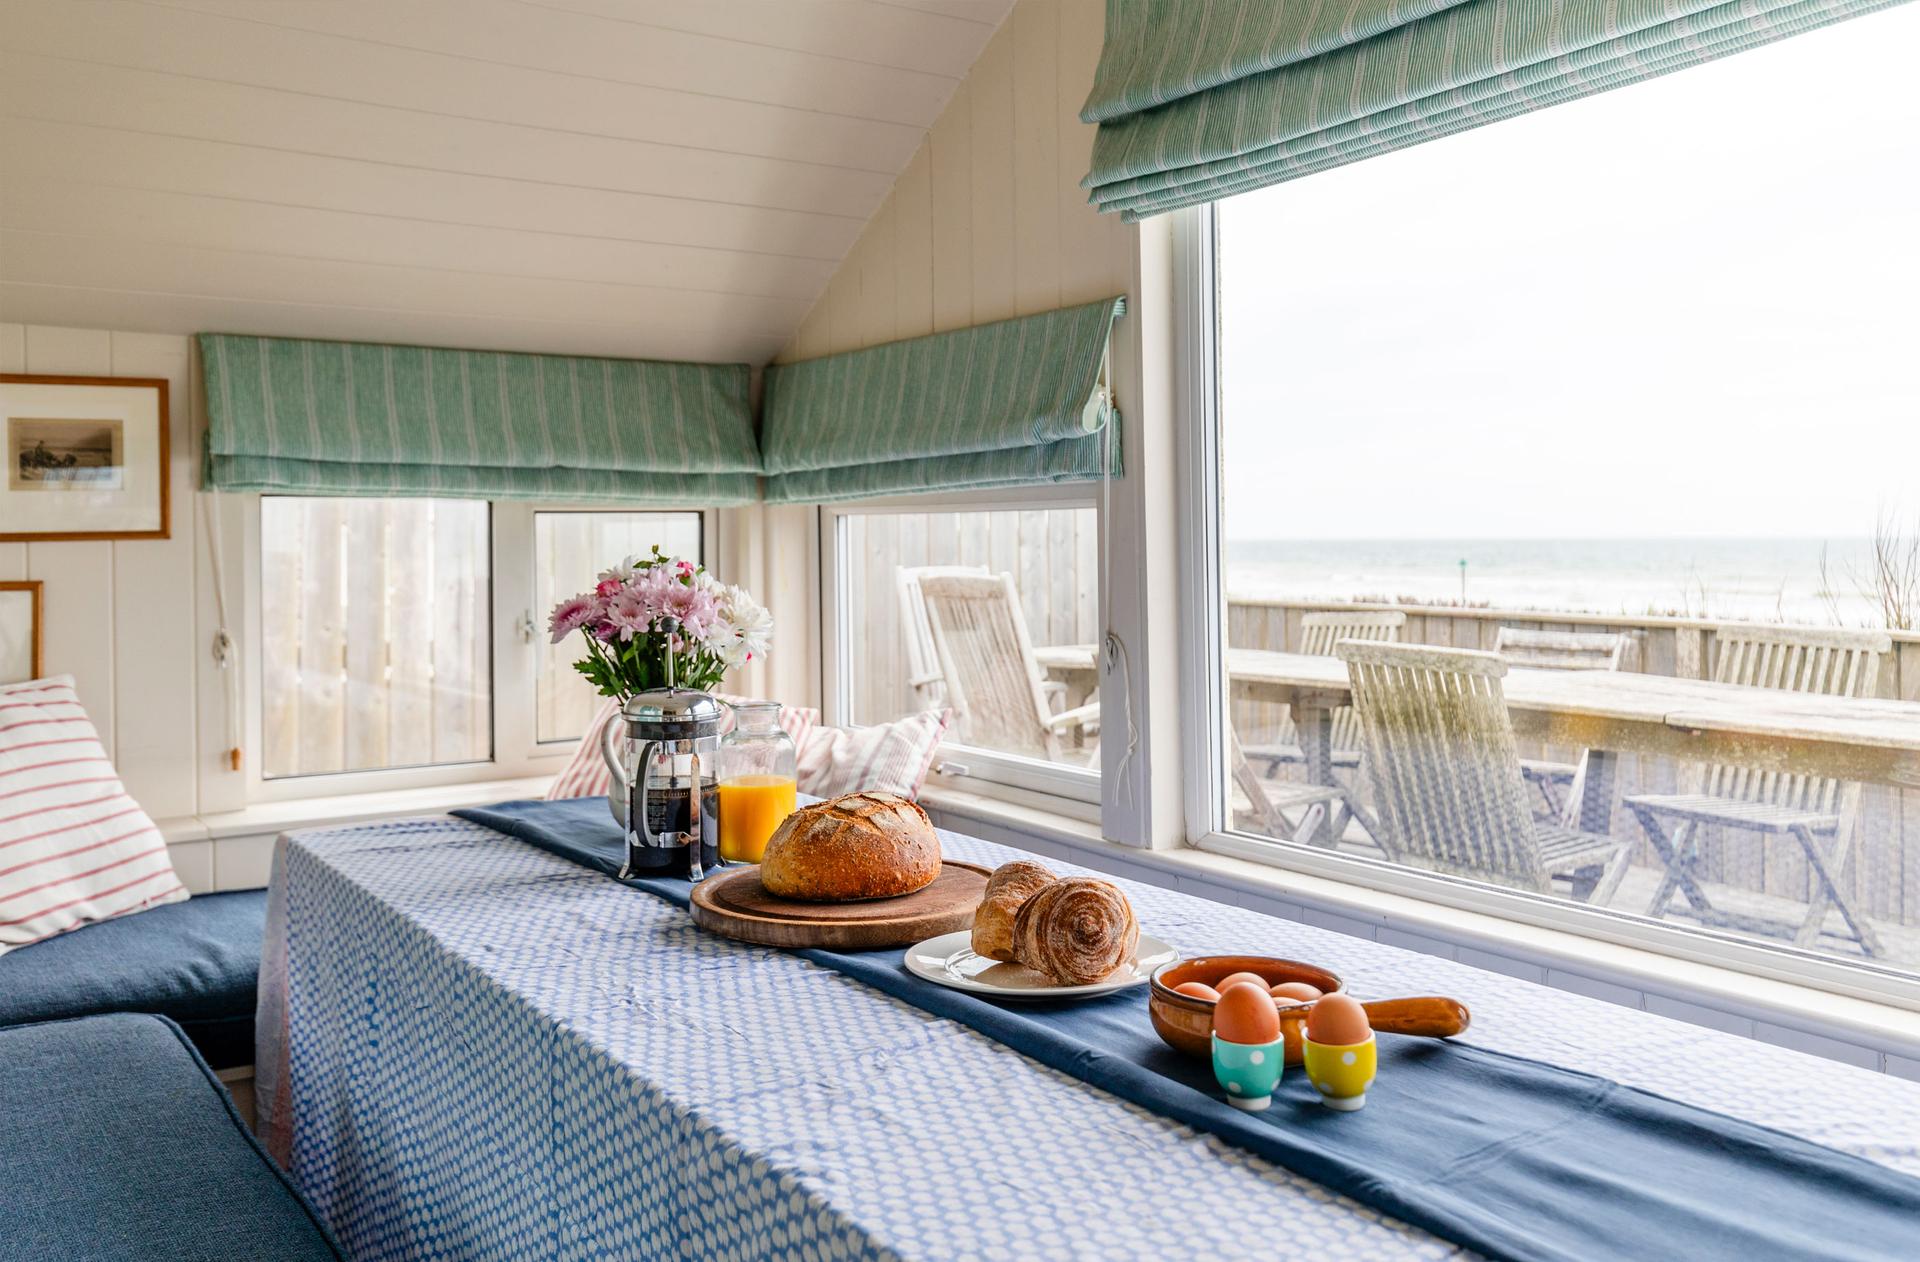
(993, 612)
(405, 639)
(376, 645)
(570, 549)
(1611, 392)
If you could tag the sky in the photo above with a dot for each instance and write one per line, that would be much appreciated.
(1686, 307)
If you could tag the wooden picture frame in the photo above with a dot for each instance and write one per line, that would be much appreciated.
(108, 471)
(12, 661)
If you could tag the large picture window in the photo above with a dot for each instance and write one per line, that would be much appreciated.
(1566, 531)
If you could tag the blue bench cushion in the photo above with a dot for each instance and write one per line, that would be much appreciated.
(117, 1142)
(197, 962)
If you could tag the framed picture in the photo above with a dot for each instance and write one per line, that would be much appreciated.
(20, 621)
(86, 458)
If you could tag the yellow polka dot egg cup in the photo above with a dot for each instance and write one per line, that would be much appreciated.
(1248, 1072)
(1341, 1072)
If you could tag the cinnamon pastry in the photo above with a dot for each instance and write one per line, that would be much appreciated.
(1076, 931)
(1010, 885)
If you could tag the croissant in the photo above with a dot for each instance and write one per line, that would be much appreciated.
(1010, 885)
(1076, 931)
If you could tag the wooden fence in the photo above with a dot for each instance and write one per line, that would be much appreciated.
(378, 609)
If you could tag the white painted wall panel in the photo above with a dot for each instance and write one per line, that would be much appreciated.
(988, 220)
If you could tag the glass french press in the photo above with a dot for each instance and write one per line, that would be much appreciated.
(660, 750)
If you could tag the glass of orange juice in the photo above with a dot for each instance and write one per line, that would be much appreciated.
(758, 773)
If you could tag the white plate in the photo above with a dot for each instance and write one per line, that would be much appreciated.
(949, 960)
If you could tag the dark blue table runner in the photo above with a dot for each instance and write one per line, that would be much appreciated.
(1511, 1157)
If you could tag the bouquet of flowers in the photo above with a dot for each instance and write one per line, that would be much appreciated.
(646, 610)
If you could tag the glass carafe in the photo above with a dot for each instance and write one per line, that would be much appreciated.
(660, 751)
(758, 773)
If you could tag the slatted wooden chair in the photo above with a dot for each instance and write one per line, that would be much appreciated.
(993, 684)
(1269, 800)
(923, 659)
(1556, 650)
(1274, 797)
(1319, 632)
(1446, 773)
(1818, 812)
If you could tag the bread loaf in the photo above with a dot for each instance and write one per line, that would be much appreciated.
(1010, 885)
(852, 848)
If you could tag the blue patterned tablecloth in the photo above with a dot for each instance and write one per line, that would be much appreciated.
(473, 1049)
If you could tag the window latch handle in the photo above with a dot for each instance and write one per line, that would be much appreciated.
(528, 630)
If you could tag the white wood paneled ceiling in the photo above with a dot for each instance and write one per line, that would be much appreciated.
(658, 178)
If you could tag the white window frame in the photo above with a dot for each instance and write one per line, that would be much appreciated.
(516, 751)
(1071, 791)
(1204, 716)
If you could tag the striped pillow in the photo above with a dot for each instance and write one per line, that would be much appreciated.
(74, 847)
(585, 774)
(882, 758)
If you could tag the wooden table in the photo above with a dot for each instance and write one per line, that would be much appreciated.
(1608, 713)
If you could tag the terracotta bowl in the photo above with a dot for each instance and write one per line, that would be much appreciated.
(1186, 1023)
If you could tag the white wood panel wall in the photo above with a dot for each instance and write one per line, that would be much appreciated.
(123, 618)
(988, 220)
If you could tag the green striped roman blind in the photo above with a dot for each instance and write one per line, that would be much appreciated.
(989, 406)
(348, 418)
(1201, 99)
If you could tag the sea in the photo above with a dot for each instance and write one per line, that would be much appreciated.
(1765, 580)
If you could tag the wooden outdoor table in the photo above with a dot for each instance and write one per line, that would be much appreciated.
(1609, 713)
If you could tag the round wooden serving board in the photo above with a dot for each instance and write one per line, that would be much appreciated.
(735, 905)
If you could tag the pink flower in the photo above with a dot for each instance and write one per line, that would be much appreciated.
(694, 607)
(607, 588)
(569, 616)
(630, 614)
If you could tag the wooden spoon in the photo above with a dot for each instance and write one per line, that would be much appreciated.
(1428, 1016)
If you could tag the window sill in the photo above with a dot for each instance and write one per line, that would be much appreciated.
(233, 850)
(1859, 1031)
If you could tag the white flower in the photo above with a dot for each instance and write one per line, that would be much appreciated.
(744, 629)
(621, 573)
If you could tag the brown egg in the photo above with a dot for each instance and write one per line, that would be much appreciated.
(1199, 990)
(1245, 1014)
(1338, 1020)
(1231, 978)
(1296, 992)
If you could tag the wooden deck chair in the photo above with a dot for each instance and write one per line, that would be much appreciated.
(923, 659)
(1319, 632)
(993, 684)
(1269, 800)
(1557, 650)
(1818, 812)
(1446, 774)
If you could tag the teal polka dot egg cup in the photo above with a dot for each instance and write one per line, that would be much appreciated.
(1249, 1072)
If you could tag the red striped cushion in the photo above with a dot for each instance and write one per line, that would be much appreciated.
(585, 774)
(74, 847)
(881, 758)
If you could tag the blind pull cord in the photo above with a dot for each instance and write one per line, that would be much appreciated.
(1114, 649)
